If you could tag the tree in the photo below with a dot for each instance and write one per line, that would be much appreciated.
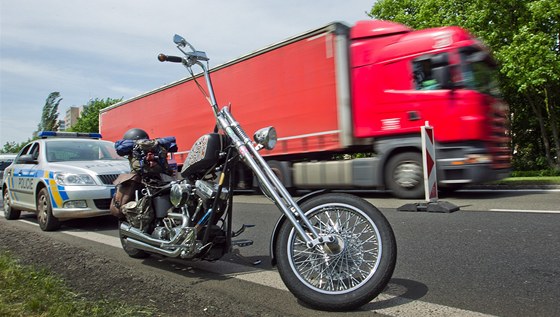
(13, 147)
(49, 118)
(89, 118)
(524, 35)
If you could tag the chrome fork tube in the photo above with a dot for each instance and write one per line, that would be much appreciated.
(266, 176)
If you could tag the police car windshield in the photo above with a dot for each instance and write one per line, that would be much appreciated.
(80, 150)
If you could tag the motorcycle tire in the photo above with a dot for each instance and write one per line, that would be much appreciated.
(344, 274)
(132, 252)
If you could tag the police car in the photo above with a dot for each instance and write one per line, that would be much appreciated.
(61, 176)
(5, 161)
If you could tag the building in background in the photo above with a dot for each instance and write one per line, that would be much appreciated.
(70, 118)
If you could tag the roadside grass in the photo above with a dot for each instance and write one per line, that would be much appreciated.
(30, 291)
(530, 180)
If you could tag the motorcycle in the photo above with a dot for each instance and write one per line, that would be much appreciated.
(334, 251)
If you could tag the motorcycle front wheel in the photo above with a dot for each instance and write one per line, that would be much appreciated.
(350, 271)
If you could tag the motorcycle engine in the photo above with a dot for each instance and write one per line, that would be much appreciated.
(207, 190)
(161, 233)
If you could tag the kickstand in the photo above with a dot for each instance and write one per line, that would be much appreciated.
(238, 255)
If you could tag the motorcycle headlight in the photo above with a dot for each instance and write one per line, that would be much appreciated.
(179, 194)
(66, 179)
(267, 137)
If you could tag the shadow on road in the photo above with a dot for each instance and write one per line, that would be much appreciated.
(398, 292)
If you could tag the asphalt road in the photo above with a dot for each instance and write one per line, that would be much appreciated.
(498, 255)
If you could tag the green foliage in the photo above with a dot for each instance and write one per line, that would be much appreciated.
(13, 147)
(49, 118)
(89, 118)
(523, 35)
(30, 291)
(539, 173)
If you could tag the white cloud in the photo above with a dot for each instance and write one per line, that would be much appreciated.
(105, 48)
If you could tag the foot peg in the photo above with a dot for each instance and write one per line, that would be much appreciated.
(240, 231)
(242, 243)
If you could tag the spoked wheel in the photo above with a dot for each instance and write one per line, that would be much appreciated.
(348, 272)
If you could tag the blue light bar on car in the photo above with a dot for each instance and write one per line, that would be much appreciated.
(55, 134)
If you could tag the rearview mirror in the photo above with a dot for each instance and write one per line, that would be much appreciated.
(27, 159)
(442, 75)
(179, 40)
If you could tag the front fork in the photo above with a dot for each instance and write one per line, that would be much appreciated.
(272, 185)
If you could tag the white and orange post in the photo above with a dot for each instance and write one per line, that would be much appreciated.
(429, 163)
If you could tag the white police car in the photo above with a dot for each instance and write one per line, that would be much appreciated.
(62, 176)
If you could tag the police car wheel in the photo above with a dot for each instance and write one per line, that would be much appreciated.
(10, 212)
(47, 222)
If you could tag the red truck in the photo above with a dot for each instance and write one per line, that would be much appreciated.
(348, 104)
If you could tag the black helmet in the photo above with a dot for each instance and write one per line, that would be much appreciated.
(135, 134)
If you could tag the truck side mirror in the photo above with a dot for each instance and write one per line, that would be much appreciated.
(441, 59)
(442, 75)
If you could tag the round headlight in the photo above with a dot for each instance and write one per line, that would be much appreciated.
(179, 194)
(266, 137)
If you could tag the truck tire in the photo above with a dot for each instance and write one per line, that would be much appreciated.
(404, 175)
(45, 218)
(10, 212)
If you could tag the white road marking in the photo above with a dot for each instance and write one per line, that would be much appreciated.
(97, 237)
(385, 303)
(528, 211)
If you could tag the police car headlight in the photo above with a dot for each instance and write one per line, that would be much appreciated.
(73, 179)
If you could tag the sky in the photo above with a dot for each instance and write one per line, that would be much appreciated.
(102, 49)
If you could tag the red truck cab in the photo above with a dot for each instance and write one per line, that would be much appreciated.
(402, 78)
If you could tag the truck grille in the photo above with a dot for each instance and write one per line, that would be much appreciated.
(108, 179)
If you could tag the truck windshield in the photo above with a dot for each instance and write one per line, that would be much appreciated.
(479, 72)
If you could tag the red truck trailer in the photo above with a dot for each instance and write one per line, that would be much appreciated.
(348, 104)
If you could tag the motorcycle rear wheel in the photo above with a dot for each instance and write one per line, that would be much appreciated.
(132, 252)
(347, 273)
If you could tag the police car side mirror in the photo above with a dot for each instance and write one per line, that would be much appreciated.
(27, 159)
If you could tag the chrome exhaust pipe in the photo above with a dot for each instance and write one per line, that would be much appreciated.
(129, 231)
(180, 242)
(149, 248)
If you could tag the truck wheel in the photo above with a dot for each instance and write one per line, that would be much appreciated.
(404, 175)
(10, 212)
(47, 222)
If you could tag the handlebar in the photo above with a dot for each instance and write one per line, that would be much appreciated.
(191, 59)
(169, 58)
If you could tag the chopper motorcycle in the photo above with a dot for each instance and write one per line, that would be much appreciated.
(333, 251)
